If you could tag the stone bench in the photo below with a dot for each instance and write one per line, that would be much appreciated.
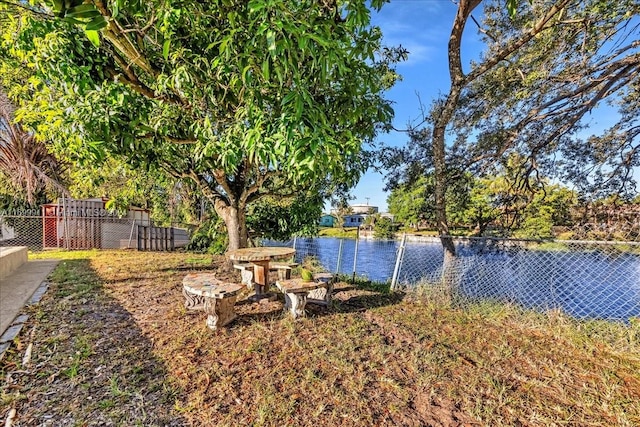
(283, 269)
(202, 291)
(296, 292)
(322, 295)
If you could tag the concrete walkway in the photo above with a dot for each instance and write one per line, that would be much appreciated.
(18, 289)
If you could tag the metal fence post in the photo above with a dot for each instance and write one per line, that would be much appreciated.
(396, 269)
(339, 265)
(133, 225)
(355, 256)
(65, 224)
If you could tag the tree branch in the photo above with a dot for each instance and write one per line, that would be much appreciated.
(539, 27)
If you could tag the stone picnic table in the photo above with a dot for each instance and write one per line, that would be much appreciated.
(260, 257)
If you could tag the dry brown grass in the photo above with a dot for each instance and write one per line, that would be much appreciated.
(113, 345)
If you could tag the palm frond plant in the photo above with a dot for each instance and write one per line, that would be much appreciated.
(28, 167)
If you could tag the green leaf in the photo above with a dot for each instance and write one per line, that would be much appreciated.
(96, 24)
(245, 75)
(81, 9)
(57, 5)
(223, 45)
(165, 49)
(256, 5)
(302, 42)
(265, 69)
(93, 37)
(288, 98)
(271, 42)
(299, 107)
(321, 41)
(74, 21)
(512, 7)
(84, 15)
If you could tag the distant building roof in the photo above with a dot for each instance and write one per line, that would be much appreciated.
(363, 209)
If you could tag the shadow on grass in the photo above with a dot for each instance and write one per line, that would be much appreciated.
(346, 299)
(91, 363)
(190, 268)
(365, 302)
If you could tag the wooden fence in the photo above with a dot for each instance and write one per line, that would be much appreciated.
(155, 238)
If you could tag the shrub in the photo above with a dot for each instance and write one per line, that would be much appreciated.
(210, 237)
(384, 228)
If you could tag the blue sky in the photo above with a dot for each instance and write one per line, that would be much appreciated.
(422, 27)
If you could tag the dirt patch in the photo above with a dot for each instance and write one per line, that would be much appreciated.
(440, 412)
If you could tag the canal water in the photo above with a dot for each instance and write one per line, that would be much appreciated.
(585, 283)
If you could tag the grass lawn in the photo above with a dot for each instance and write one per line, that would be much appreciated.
(112, 344)
(341, 233)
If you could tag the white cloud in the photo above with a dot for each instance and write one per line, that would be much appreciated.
(421, 27)
(417, 53)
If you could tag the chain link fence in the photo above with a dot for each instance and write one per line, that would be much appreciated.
(585, 279)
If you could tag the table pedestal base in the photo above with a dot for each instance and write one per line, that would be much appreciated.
(260, 294)
(296, 293)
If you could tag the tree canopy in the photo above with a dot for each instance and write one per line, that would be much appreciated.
(244, 99)
(536, 102)
(544, 68)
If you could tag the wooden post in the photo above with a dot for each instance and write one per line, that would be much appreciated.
(261, 274)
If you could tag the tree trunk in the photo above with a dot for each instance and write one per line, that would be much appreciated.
(442, 119)
(440, 191)
(235, 219)
(450, 279)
